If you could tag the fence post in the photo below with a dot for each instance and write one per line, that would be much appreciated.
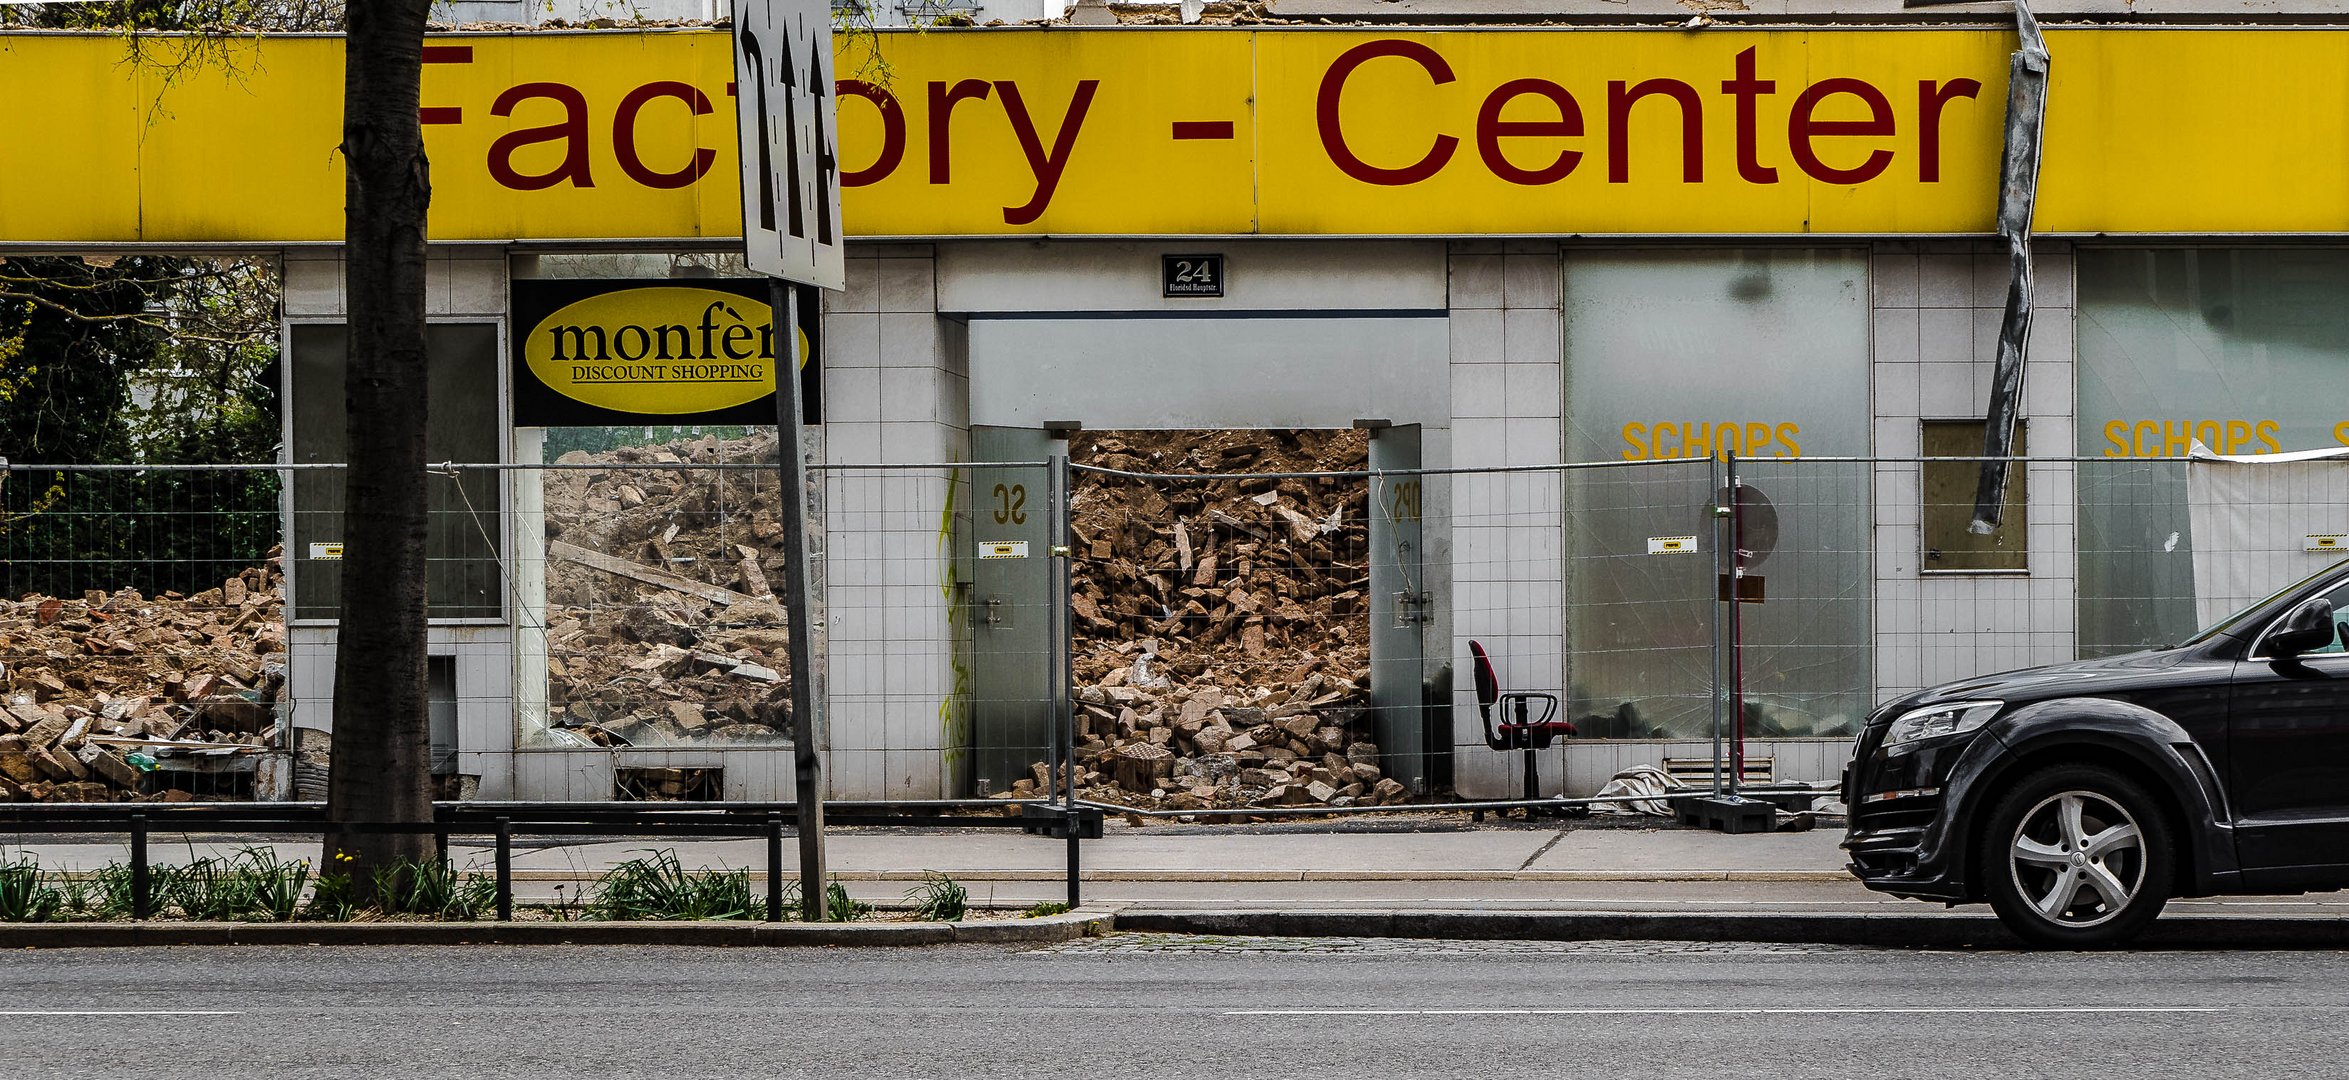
(1064, 720)
(505, 871)
(1736, 687)
(142, 904)
(1714, 512)
(774, 866)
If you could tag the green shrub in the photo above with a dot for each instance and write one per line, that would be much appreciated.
(23, 895)
(251, 884)
(111, 897)
(659, 887)
(433, 889)
(939, 898)
(1049, 907)
(839, 908)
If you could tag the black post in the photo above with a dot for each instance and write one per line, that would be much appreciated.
(142, 904)
(505, 869)
(1075, 891)
(1063, 707)
(801, 603)
(775, 866)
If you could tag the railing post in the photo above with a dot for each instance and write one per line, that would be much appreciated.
(505, 869)
(1076, 894)
(1064, 718)
(142, 904)
(1716, 531)
(774, 866)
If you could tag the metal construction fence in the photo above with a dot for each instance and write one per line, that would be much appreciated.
(1202, 642)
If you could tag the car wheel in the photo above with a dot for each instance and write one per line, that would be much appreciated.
(2078, 857)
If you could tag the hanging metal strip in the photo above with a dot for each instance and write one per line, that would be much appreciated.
(2018, 194)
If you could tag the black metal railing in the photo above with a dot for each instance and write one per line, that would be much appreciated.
(499, 821)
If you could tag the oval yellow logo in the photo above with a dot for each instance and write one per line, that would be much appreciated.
(662, 350)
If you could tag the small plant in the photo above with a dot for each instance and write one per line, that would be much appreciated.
(939, 898)
(276, 885)
(335, 898)
(112, 895)
(838, 907)
(659, 887)
(433, 889)
(1049, 907)
(207, 889)
(76, 895)
(23, 896)
(252, 884)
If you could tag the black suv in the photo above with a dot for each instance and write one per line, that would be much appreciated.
(2078, 798)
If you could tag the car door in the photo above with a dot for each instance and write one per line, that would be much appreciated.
(2288, 732)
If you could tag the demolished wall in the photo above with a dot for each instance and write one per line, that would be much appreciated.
(116, 697)
(1222, 644)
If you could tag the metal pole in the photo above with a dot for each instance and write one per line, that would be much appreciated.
(1714, 512)
(1063, 712)
(142, 886)
(775, 866)
(800, 601)
(505, 869)
(1736, 624)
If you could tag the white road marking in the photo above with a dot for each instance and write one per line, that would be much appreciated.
(119, 1012)
(1854, 1011)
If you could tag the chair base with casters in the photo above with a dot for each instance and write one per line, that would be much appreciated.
(1521, 728)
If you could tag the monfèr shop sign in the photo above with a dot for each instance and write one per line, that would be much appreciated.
(694, 351)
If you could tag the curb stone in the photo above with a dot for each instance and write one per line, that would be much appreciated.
(1087, 921)
(1923, 931)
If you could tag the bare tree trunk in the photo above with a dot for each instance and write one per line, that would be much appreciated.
(382, 742)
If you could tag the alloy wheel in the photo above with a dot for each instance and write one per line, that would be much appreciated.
(2078, 858)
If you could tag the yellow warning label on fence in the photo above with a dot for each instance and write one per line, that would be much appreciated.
(1671, 545)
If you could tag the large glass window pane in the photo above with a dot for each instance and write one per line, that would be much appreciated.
(2244, 350)
(1689, 354)
(461, 549)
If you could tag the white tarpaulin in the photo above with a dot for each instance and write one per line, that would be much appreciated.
(2253, 518)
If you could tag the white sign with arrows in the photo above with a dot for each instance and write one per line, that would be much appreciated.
(785, 107)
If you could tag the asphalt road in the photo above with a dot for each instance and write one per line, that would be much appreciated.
(1171, 1009)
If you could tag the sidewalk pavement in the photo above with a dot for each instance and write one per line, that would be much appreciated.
(1433, 876)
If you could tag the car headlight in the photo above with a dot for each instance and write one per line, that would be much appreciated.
(1934, 721)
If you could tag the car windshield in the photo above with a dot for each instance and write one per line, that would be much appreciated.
(2229, 623)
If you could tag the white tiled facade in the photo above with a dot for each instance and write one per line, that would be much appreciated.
(1508, 572)
(896, 388)
(898, 361)
(1936, 309)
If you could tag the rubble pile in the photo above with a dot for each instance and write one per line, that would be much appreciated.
(120, 697)
(663, 622)
(1222, 634)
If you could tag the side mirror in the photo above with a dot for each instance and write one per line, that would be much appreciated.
(2307, 628)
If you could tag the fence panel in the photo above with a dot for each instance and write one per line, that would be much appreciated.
(1641, 564)
(142, 631)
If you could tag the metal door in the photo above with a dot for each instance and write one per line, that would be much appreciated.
(1009, 542)
(1400, 607)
